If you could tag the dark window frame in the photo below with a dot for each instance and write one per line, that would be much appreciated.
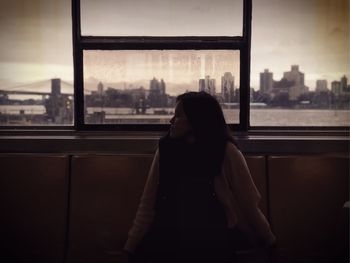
(241, 43)
(81, 43)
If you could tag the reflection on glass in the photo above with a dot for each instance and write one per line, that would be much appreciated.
(162, 18)
(300, 63)
(140, 86)
(36, 72)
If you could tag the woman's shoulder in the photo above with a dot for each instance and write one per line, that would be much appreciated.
(232, 149)
(233, 153)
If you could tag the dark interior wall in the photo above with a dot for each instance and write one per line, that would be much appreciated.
(33, 207)
(105, 192)
(78, 208)
(306, 198)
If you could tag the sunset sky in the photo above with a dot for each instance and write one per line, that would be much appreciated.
(314, 34)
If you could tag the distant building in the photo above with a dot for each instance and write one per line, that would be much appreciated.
(100, 88)
(157, 94)
(294, 75)
(139, 100)
(227, 87)
(340, 87)
(297, 78)
(280, 94)
(335, 87)
(344, 85)
(341, 91)
(266, 82)
(162, 86)
(321, 85)
(207, 85)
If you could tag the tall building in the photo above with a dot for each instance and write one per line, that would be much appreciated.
(157, 95)
(227, 87)
(297, 78)
(335, 86)
(340, 87)
(100, 88)
(266, 82)
(295, 75)
(343, 84)
(154, 84)
(208, 85)
(321, 85)
(162, 87)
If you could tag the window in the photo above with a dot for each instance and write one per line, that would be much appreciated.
(300, 63)
(128, 60)
(140, 86)
(137, 56)
(162, 18)
(36, 65)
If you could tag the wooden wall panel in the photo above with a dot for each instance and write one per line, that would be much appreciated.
(105, 193)
(307, 194)
(33, 204)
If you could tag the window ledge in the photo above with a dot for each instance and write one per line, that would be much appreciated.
(71, 142)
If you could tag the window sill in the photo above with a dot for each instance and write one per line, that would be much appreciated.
(253, 142)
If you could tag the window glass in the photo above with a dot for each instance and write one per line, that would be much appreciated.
(162, 17)
(300, 63)
(140, 86)
(36, 72)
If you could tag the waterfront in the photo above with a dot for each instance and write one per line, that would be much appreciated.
(258, 117)
(299, 117)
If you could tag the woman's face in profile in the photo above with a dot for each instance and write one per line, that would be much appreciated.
(179, 123)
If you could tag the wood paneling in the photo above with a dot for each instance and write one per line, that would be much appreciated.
(307, 194)
(33, 204)
(105, 193)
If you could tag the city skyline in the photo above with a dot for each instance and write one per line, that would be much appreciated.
(92, 85)
(180, 68)
(321, 49)
(288, 93)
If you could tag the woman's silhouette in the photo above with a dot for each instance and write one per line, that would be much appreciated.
(199, 203)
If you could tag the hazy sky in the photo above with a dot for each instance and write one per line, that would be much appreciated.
(36, 34)
(162, 17)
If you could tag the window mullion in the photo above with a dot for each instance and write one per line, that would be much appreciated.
(78, 67)
(245, 66)
(154, 43)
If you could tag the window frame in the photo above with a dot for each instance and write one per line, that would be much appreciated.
(240, 43)
(81, 43)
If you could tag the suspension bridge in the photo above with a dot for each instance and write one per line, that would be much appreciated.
(42, 87)
(58, 104)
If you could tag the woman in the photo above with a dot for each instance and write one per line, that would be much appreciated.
(199, 198)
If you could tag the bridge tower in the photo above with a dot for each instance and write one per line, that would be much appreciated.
(55, 87)
(58, 106)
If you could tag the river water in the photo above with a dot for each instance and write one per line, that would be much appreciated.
(258, 117)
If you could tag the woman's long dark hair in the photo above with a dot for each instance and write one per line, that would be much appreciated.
(208, 124)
